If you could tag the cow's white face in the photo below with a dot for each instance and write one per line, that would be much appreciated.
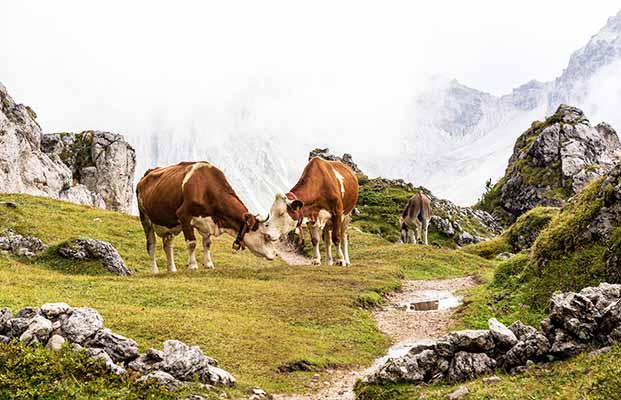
(280, 222)
(260, 244)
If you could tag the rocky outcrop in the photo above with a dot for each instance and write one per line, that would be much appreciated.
(92, 249)
(551, 162)
(57, 325)
(91, 168)
(326, 155)
(576, 323)
(16, 244)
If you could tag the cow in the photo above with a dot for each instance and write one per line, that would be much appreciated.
(189, 195)
(324, 197)
(415, 218)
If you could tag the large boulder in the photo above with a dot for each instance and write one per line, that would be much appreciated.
(503, 335)
(92, 249)
(92, 168)
(532, 347)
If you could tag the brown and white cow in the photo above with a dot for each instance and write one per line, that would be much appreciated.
(414, 221)
(190, 195)
(324, 197)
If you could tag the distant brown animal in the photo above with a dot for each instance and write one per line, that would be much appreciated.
(190, 195)
(415, 218)
(324, 197)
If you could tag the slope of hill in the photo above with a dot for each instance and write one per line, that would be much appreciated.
(263, 321)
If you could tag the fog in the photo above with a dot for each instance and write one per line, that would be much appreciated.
(195, 80)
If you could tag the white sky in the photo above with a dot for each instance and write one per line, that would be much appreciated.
(115, 64)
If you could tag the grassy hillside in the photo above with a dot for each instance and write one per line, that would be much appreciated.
(519, 236)
(258, 318)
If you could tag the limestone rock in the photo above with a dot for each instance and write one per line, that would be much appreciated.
(163, 378)
(82, 324)
(466, 366)
(475, 341)
(460, 393)
(503, 335)
(532, 347)
(19, 245)
(521, 330)
(53, 310)
(100, 354)
(38, 330)
(119, 348)
(5, 316)
(91, 249)
(56, 343)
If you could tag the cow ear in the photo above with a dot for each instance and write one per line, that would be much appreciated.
(251, 221)
(296, 205)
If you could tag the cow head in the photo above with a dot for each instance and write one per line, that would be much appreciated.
(284, 216)
(256, 239)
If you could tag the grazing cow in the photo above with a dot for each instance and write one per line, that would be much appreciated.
(324, 197)
(417, 214)
(197, 195)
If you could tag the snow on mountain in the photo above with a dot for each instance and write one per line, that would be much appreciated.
(460, 137)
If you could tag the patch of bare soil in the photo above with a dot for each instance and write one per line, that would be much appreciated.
(403, 325)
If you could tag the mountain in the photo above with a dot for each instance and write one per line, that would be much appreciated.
(462, 137)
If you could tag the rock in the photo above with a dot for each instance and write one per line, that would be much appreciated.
(4, 339)
(17, 326)
(100, 354)
(504, 256)
(16, 244)
(56, 343)
(38, 330)
(28, 312)
(53, 310)
(149, 361)
(466, 366)
(552, 161)
(522, 330)
(410, 368)
(575, 313)
(503, 335)
(599, 352)
(119, 348)
(259, 394)
(443, 225)
(5, 316)
(326, 155)
(532, 347)
(217, 376)
(564, 345)
(611, 317)
(474, 341)
(492, 380)
(93, 168)
(91, 249)
(460, 393)
(82, 324)
(183, 361)
(161, 377)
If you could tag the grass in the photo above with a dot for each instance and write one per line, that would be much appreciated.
(581, 378)
(258, 318)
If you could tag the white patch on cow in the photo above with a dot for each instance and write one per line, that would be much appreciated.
(205, 225)
(195, 167)
(323, 217)
(341, 180)
(162, 231)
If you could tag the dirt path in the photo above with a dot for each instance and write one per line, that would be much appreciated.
(403, 325)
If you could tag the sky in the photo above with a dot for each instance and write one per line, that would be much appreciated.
(116, 63)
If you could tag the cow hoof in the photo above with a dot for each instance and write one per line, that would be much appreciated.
(341, 263)
(155, 271)
(316, 262)
(330, 262)
(172, 270)
(210, 266)
(193, 267)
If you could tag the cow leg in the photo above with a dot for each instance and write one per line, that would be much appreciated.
(185, 219)
(167, 240)
(207, 262)
(345, 245)
(149, 233)
(327, 240)
(315, 232)
(337, 230)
